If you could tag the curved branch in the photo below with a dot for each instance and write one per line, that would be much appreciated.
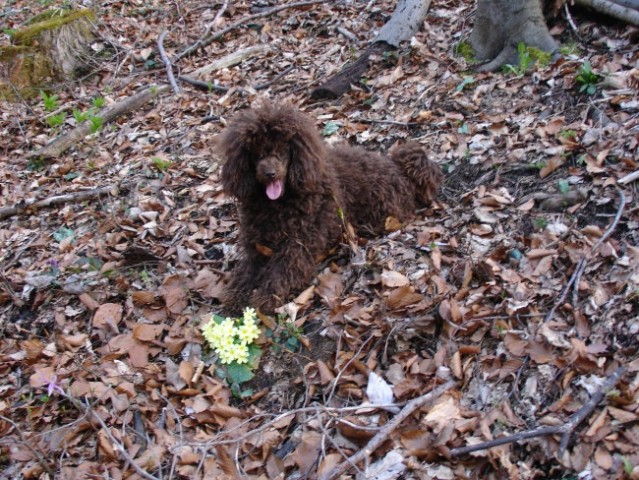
(627, 15)
(566, 429)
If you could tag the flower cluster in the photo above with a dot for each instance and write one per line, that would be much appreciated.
(230, 337)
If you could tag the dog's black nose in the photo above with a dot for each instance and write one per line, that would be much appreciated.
(270, 175)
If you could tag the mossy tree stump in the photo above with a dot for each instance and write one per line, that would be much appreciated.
(53, 47)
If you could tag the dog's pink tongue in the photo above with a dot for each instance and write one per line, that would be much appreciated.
(274, 190)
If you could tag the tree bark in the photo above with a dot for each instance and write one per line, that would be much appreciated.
(501, 24)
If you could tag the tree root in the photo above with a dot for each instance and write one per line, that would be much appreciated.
(612, 9)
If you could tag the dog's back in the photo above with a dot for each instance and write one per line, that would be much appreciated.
(426, 175)
(375, 187)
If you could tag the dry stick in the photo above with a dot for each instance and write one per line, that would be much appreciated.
(566, 429)
(598, 243)
(384, 433)
(207, 40)
(117, 445)
(581, 265)
(62, 143)
(29, 444)
(167, 63)
(33, 204)
(631, 177)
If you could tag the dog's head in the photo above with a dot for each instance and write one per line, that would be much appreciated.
(271, 151)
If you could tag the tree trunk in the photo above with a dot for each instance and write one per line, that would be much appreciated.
(501, 24)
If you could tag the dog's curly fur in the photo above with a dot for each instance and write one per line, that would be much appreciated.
(291, 186)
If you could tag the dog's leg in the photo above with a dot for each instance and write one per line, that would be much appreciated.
(286, 272)
(244, 279)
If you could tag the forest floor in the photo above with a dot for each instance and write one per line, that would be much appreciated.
(508, 305)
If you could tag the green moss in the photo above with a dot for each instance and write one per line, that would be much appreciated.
(465, 50)
(570, 48)
(47, 15)
(541, 57)
(27, 35)
(10, 52)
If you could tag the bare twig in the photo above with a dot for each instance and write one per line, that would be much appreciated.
(220, 12)
(29, 444)
(385, 432)
(566, 429)
(167, 63)
(33, 204)
(581, 265)
(631, 177)
(579, 271)
(347, 33)
(208, 39)
(89, 412)
(385, 122)
(571, 22)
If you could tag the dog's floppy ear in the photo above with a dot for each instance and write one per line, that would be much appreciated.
(307, 164)
(238, 175)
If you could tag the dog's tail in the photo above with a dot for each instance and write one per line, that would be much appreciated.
(424, 173)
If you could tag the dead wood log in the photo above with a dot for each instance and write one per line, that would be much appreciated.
(406, 20)
(566, 429)
(108, 114)
(611, 9)
(350, 74)
(32, 205)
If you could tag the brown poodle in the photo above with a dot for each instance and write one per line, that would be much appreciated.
(295, 194)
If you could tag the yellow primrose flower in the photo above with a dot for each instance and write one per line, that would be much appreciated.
(248, 332)
(249, 314)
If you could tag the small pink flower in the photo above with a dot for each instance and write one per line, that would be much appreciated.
(54, 387)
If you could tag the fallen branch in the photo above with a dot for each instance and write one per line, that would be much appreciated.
(234, 58)
(350, 74)
(108, 114)
(117, 445)
(631, 177)
(606, 7)
(167, 63)
(381, 436)
(566, 429)
(581, 265)
(210, 38)
(34, 204)
(598, 243)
